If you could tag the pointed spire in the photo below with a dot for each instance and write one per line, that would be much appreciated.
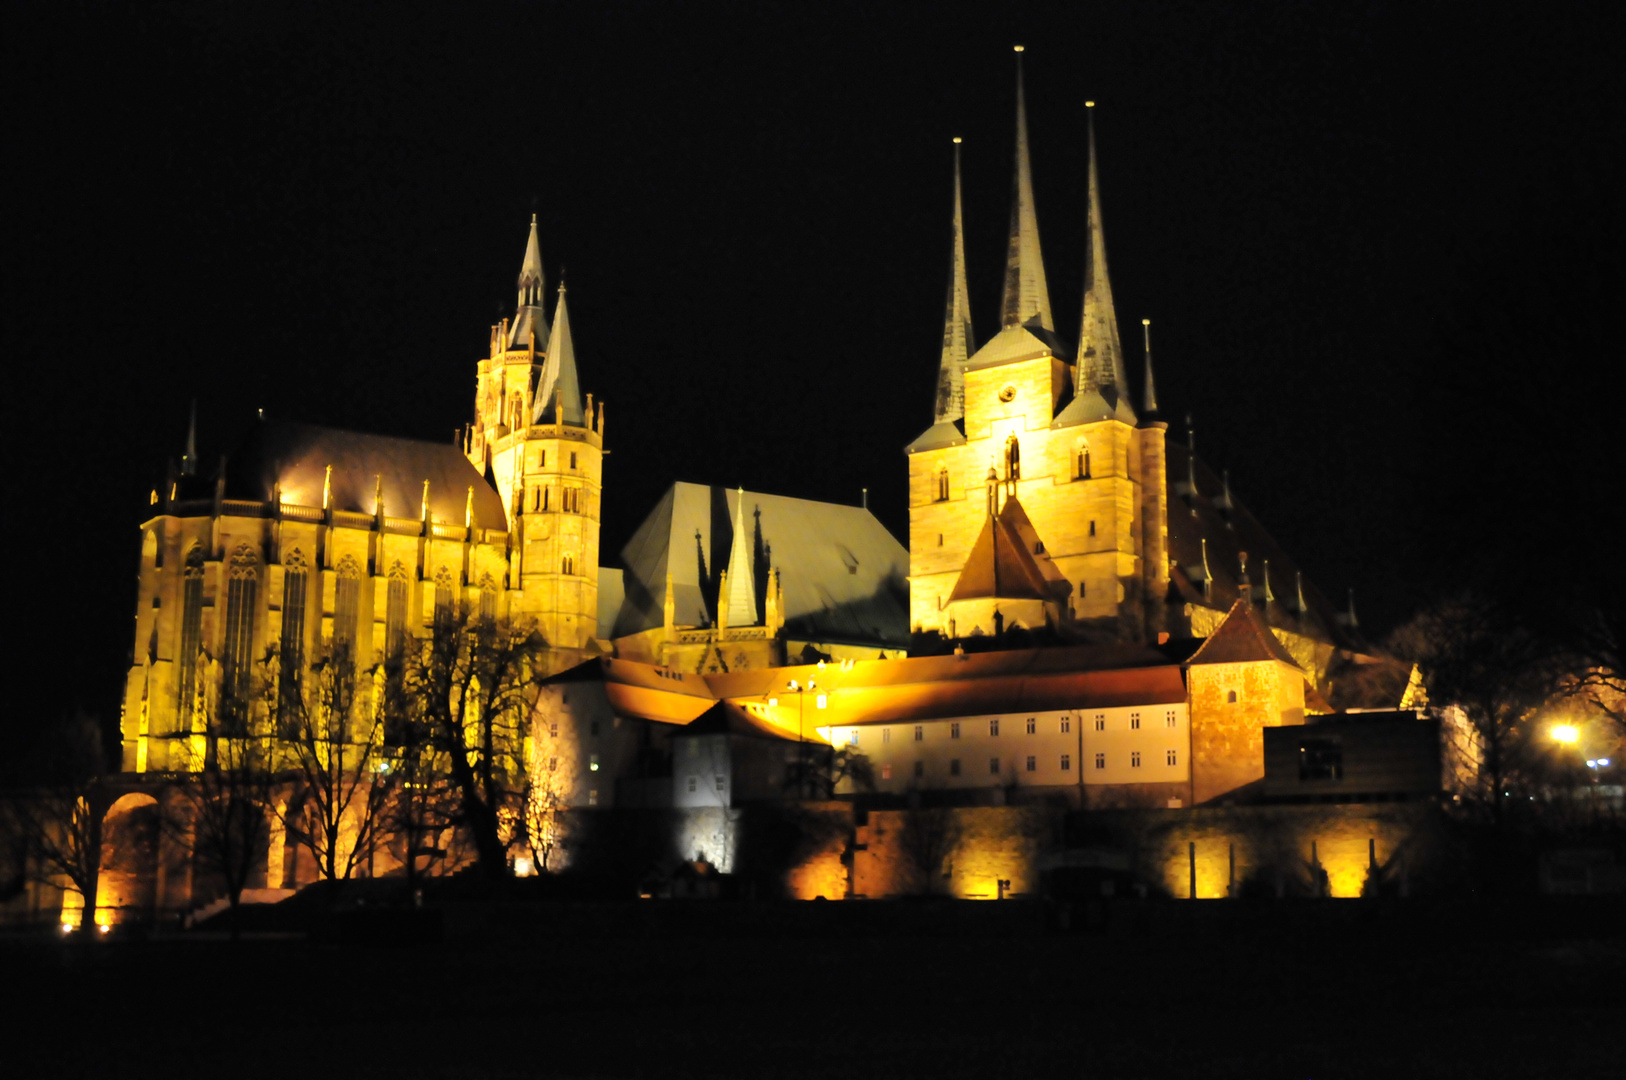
(1298, 585)
(559, 388)
(1348, 618)
(958, 342)
(741, 601)
(1244, 586)
(1270, 595)
(530, 321)
(1027, 295)
(189, 456)
(1100, 354)
(1148, 401)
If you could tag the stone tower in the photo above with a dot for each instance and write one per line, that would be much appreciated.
(1052, 430)
(542, 449)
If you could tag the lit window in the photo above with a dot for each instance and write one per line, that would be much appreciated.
(954, 730)
(1100, 761)
(1134, 759)
(1067, 763)
(920, 768)
(993, 766)
(886, 772)
(954, 766)
(886, 735)
(1173, 760)
(1033, 763)
(592, 797)
(592, 763)
(1169, 720)
(920, 733)
(852, 740)
(694, 783)
(1032, 725)
(823, 701)
(1066, 725)
(993, 727)
(1134, 721)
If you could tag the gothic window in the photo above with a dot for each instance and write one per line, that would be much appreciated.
(191, 638)
(1081, 461)
(346, 602)
(395, 616)
(942, 485)
(488, 601)
(517, 409)
(242, 586)
(1013, 458)
(444, 597)
(149, 549)
(295, 579)
(544, 498)
(568, 566)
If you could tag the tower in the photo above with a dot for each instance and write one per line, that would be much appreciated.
(1056, 433)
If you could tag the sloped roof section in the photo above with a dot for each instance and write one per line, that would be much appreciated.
(1006, 562)
(1242, 638)
(941, 434)
(843, 576)
(296, 456)
(1016, 343)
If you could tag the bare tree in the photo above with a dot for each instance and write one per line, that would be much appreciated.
(467, 691)
(818, 770)
(927, 836)
(55, 818)
(330, 741)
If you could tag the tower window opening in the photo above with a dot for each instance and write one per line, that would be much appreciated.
(1134, 721)
(1173, 758)
(1013, 458)
(573, 459)
(1081, 590)
(942, 485)
(954, 730)
(920, 768)
(1081, 462)
(1230, 698)
(541, 459)
(1066, 724)
(939, 539)
(1092, 528)
(567, 565)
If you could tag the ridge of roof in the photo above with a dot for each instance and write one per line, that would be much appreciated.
(1243, 637)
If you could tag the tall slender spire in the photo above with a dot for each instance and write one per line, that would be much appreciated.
(559, 388)
(1148, 401)
(189, 456)
(530, 320)
(958, 342)
(741, 601)
(1100, 355)
(1027, 295)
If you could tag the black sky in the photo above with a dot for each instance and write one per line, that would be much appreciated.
(1379, 243)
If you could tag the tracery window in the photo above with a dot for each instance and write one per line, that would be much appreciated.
(191, 639)
(242, 588)
(444, 597)
(395, 616)
(346, 602)
(291, 647)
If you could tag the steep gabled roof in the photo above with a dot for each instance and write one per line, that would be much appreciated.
(1242, 638)
(1004, 564)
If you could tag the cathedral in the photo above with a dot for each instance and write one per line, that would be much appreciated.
(1070, 572)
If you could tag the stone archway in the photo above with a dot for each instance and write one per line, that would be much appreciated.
(127, 890)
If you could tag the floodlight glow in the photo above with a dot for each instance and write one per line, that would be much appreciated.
(1603, 763)
(1565, 733)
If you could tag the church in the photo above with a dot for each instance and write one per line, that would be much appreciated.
(1083, 609)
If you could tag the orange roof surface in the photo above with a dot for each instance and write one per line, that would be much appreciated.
(1005, 562)
(1241, 638)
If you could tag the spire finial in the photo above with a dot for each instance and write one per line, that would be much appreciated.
(1100, 353)
(529, 328)
(1027, 294)
(958, 341)
(1148, 401)
(189, 455)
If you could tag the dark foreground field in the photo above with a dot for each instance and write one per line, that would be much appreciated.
(805, 991)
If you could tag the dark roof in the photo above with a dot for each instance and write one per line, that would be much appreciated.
(941, 434)
(296, 456)
(1242, 638)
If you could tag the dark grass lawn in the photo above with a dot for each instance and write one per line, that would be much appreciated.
(1253, 1000)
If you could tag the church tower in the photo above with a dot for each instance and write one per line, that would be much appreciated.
(1051, 434)
(542, 447)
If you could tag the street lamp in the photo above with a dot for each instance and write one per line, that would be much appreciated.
(1565, 733)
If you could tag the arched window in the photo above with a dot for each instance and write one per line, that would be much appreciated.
(242, 588)
(488, 600)
(568, 566)
(1081, 461)
(942, 485)
(149, 549)
(1230, 698)
(1013, 459)
(395, 615)
(295, 580)
(445, 596)
(517, 410)
(346, 602)
(191, 639)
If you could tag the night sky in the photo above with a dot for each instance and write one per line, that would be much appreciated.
(1380, 244)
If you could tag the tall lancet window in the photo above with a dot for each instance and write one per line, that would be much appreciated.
(1013, 459)
(295, 583)
(517, 409)
(1081, 461)
(488, 601)
(395, 616)
(942, 485)
(191, 639)
(346, 605)
(242, 588)
(445, 597)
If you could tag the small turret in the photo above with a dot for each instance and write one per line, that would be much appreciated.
(558, 393)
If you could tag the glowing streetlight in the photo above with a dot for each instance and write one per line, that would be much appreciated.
(1565, 733)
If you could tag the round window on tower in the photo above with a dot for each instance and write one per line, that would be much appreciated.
(1007, 394)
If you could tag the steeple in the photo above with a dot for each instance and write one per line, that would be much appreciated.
(189, 456)
(1027, 295)
(1148, 401)
(530, 321)
(958, 343)
(741, 601)
(1100, 355)
(559, 386)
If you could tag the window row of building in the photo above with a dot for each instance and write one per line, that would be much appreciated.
(1013, 466)
(1059, 725)
(1171, 759)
